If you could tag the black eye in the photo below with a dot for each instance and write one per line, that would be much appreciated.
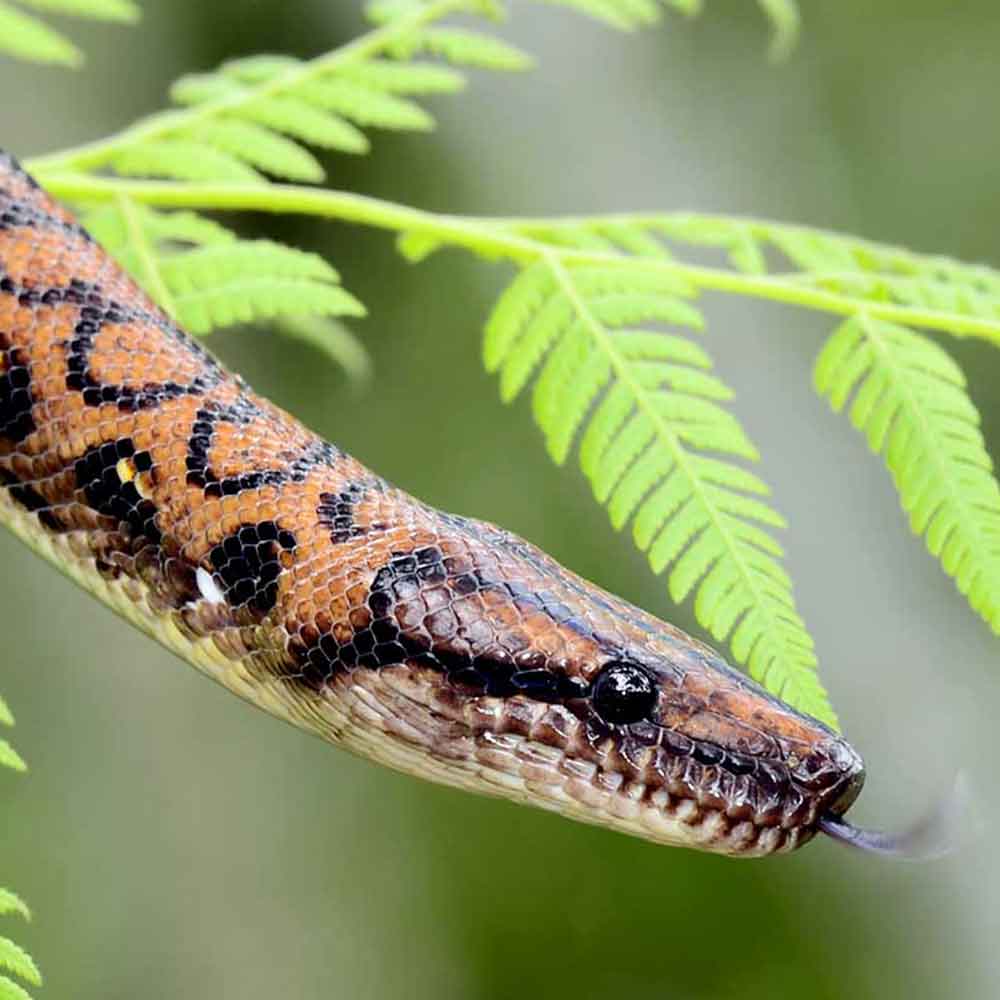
(623, 693)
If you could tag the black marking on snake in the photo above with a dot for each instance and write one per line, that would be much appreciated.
(18, 214)
(247, 564)
(338, 511)
(245, 411)
(95, 313)
(14, 165)
(98, 475)
(29, 498)
(16, 398)
(436, 643)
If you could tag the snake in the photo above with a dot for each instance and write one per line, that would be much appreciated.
(438, 645)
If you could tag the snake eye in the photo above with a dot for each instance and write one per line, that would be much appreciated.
(623, 693)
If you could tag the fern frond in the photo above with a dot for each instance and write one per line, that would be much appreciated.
(797, 264)
(13, 959)
(182, 159)
(862, 270)
(412, 77)
(261, 149)
(909, 399)
(27, 37)
(11, 904)
(206, 277)
(9, 757)
(260, 113)
(469, 48)
(657, 448)
(9, 990)
(16, 960)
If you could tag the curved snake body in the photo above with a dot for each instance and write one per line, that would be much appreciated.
(284, 569)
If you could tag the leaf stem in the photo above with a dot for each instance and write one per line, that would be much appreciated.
(490, 238)
(150, 272)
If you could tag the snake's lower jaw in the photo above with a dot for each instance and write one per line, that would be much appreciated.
(647, 783)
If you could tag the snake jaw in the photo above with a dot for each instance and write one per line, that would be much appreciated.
(642, 779)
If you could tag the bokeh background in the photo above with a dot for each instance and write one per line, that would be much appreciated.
(175, 843)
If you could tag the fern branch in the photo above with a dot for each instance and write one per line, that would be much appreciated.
(283, 77)
(909, 399)
(256, 112)
(521, 241)
(642, 450)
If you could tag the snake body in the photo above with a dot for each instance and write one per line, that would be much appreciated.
(281, 567)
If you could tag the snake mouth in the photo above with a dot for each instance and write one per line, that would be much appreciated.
(667, 788)
(648, 780)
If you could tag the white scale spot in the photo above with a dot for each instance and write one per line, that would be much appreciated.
(209, 588)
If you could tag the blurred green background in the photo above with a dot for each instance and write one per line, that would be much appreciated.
(175, 843)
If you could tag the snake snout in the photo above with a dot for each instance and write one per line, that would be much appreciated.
(851, 778)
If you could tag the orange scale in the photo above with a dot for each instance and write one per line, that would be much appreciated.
(230, 523)
(230, 508)
(268, 510)
(198, 521)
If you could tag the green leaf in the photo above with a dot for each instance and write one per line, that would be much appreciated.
(15, 959)
(28, 38)
(785, 22)
(908, 397)
(9, 903)
(658, 449)
(203, 276)
(404, 77)
(9, 757)
(261, 148)
(471, 48)
(6, 716)
(242, 300)
(9, 990)
(182, 159)
(365, 104)
(259, 68)
(221, 262)
(99, 10)
(301, 120)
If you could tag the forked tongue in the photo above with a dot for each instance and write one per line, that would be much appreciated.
(934, 835)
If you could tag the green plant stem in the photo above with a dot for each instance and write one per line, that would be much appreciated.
(490, 238)
(100, 152)
(146, 259)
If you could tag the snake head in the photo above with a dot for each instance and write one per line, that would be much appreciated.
(482, 663)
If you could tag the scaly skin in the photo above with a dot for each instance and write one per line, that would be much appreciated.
(440, 646)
